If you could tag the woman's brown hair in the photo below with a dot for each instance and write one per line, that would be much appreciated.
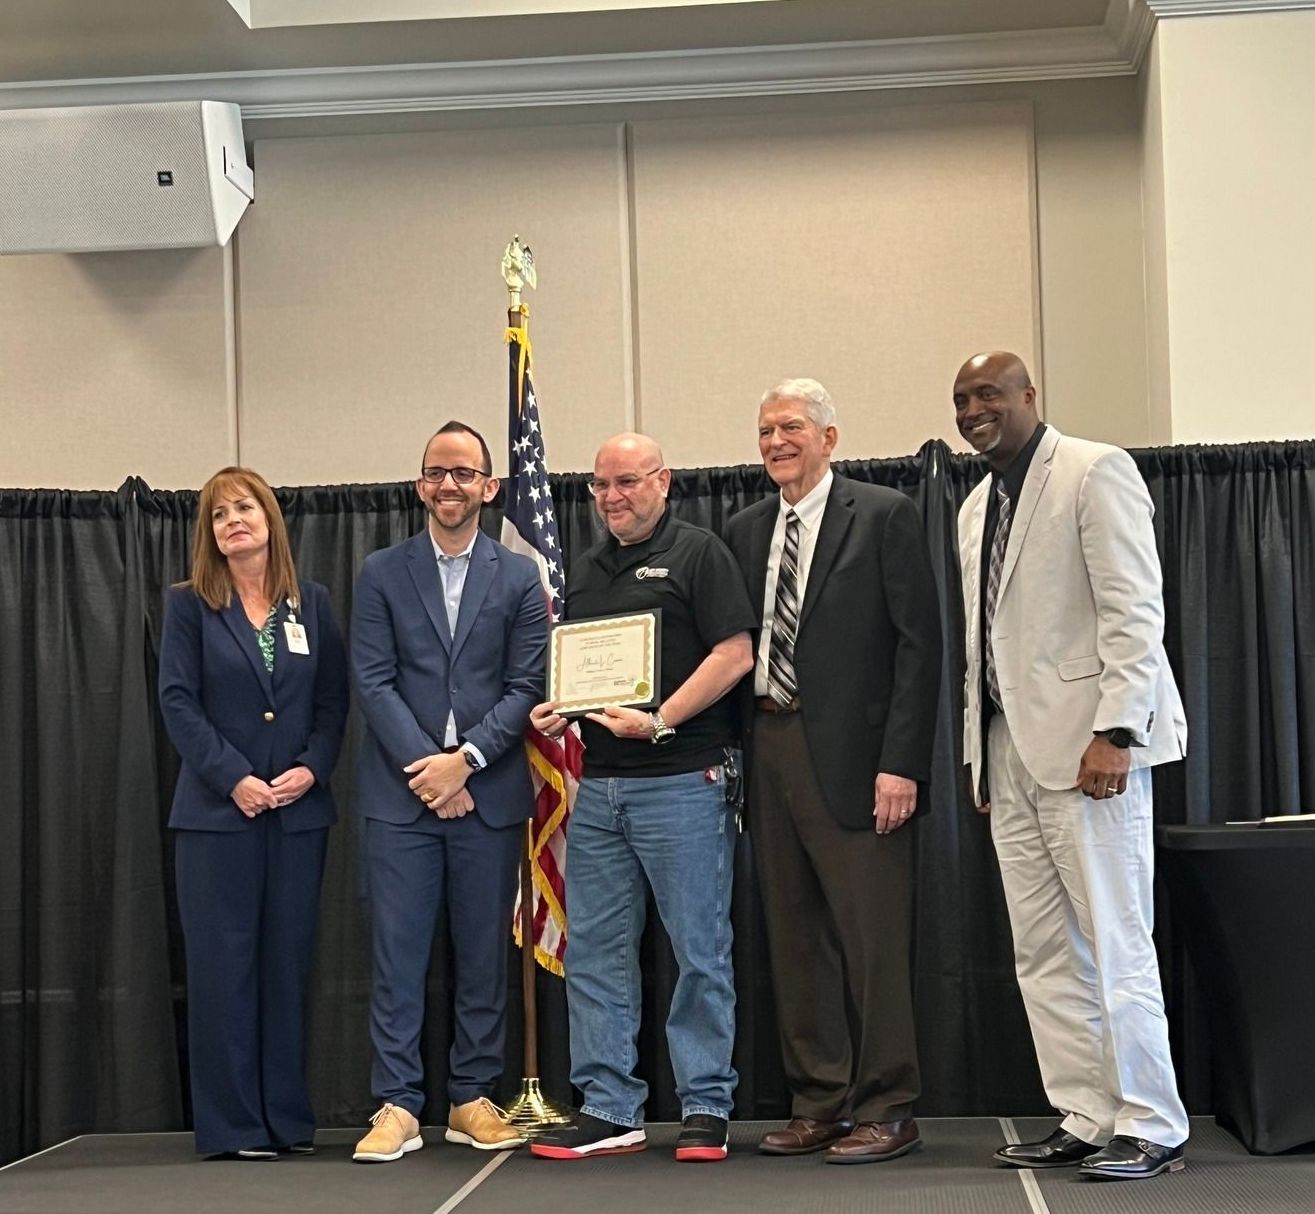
(210, 579)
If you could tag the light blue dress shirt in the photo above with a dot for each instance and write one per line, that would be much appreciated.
(452, 572)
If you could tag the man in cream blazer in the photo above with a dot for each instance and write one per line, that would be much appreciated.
(1069, 701)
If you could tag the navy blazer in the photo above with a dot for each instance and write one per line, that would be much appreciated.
(230, 718)
(410, 671)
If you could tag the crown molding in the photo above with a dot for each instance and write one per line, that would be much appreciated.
(1218, 8)
(611, 79)
(1115, 48)
(283, 14)
(1131, 23)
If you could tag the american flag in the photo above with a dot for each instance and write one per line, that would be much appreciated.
(529, 526)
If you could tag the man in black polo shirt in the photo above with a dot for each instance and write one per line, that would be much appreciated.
(652, 807)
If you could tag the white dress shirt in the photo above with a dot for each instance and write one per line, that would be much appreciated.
(809, 509)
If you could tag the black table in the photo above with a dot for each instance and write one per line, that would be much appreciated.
(1243, 902)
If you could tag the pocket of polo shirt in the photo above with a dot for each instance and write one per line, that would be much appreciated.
(1080, 668)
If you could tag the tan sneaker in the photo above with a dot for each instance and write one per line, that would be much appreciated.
(482, 1125)
(395, 1133)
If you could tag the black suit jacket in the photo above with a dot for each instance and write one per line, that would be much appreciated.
(868, 652)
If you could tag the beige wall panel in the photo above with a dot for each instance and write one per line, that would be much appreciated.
(91, 345)
(873, 250)
(113, 365)
(1093, 303)
(1089, 221)
(1159, 388)
(371, 307)
(1237, 98)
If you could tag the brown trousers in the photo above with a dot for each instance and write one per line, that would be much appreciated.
(839, 910)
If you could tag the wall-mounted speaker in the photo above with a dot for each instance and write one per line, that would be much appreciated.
(79, 179)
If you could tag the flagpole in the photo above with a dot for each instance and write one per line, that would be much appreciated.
(531, 1110)
(518, 318)
(529, 994)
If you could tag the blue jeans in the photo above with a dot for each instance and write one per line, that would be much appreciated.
(677, 832)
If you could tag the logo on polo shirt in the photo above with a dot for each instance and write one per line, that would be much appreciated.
(647, 571)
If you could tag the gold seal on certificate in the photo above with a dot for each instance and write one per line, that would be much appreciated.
(605, 660)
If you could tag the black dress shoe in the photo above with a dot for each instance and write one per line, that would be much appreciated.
(1060, 1150)
(1128, 1158)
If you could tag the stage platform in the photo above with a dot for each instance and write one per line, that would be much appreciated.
(952, 1174)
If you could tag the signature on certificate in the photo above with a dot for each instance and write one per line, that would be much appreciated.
(596, 663)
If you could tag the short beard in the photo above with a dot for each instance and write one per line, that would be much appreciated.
(469, 510)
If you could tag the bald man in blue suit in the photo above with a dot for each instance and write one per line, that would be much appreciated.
(448, 645)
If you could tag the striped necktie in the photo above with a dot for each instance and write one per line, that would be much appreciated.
(785, 618)
(1004, 514)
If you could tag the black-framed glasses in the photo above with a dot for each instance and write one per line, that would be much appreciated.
(626, 483)
(462, 476)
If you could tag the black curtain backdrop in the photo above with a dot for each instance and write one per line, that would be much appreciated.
(92, 967)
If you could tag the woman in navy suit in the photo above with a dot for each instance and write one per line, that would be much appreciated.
(253, 687)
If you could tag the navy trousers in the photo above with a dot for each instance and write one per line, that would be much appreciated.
(249, 905)
(411, 872)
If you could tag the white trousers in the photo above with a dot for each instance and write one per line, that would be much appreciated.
(1078, 877)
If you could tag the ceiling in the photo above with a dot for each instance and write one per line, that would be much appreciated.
(530, 52)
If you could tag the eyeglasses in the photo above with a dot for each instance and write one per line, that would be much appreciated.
(462, 476)
(626, 484)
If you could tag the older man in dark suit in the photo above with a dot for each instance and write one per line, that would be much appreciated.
(844, 695)
(449, 634)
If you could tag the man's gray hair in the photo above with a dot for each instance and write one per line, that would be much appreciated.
(815, 398)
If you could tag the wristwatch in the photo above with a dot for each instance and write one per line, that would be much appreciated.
(662, 732)
(1120, 737)
(471, 762)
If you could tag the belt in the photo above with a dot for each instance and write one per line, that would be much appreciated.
(775, 707)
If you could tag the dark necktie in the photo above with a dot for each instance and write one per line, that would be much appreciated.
(994, 570)
(785, 618)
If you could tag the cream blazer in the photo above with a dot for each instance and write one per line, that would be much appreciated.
(1078, 633)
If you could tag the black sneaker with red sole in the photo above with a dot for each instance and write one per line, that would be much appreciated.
(703, 1139)
(589, 1137)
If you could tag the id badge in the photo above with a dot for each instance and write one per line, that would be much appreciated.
(296, 636)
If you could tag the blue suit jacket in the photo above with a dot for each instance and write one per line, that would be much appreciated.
(229, 717)
(410, 670)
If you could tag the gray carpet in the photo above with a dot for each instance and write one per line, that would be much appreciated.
(161, 1174)
(1220, 1178)
(952, 1174)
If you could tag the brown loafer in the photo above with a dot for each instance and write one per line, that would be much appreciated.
(803, 1136)
(876, 1141)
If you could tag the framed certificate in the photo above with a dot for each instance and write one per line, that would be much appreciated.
(613, 659)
